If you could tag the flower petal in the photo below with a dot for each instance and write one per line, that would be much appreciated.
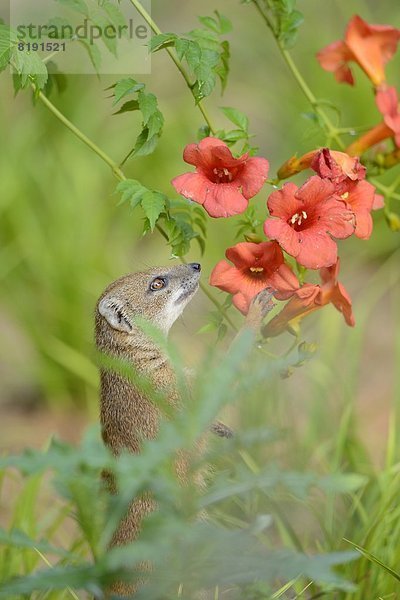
(314, 191)
(225, 277)
(333, 58)
(247, 254)
(372, 46)
(253, 175)
(286, 236)
(224, 200)
(241, 302)
(317, 250)
(284, 203)
(193, 186)
(337, 219)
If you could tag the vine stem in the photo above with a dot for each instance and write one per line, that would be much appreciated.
(79, 134)
(154, 27)
(119, 174)
(331, 129)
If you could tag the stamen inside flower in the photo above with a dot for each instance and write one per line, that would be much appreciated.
(297, 218)
(345, 196)
(224, 175)
(256, 269)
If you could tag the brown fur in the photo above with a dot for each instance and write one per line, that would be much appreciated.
(127, 416)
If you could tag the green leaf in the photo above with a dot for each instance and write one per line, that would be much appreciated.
(102, 22)
(56, 79)
(59, 26)
(30, 68)
(225, 25)
(234, 135)
(7, 42)
(222, 70)
(123, 87)
(148, 105)
(145, 145)
(236, 117)
(93, 52)
(115, 15)
(131, 191)
(19, 539)
(164, 40)
(210, 23)
(155, 124)
(153, 204)
(129, 106)
(77, 5)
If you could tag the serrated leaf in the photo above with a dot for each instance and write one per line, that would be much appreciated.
(58, 26)
(93, 52)
(210, 23)
(30, 67)
(123, 87)
(153, 204)
(164, 40)
(181, 47)
(155, 124)
(115, 15)
(145, 145)
(131, 191)
(102, 23)
(77, 5)
(147, 105)
(7, 40)
(236, 117)
(129, 106)
(225, 25)
(234, 135)
(56, 79)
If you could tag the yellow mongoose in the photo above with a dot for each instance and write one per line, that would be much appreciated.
(127, 416)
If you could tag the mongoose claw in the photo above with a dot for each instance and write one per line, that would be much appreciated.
(263, 301)
(260, 306)
(221, 430)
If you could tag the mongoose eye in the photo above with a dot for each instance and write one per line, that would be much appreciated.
(158, 284)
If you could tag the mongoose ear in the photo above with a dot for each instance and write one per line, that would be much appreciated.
(114, 313)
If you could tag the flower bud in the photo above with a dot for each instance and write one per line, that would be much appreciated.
(254, 238)
(393, 220)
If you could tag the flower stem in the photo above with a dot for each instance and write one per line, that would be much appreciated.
(330, 128)
(154, 27)
(79, 134)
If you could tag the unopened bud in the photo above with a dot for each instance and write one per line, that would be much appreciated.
(254, 238)
(393, 220)
(306, 351)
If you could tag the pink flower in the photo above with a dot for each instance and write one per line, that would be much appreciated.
(388, 104)
(307, 217)
(255, 267)
(347, 175)
(222, 184)
(338, 167)
(313, 297)
(371, 46)
(360, 198)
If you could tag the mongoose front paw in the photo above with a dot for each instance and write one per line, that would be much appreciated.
(221, 430)
(263, 303)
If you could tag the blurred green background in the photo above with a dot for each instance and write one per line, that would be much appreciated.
(64, 238)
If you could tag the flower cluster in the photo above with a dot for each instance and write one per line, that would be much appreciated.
(371, 47)
(304, 223)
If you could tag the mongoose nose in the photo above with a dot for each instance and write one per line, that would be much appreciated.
(195, 266)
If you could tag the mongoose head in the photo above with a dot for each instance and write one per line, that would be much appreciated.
(158, 295)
